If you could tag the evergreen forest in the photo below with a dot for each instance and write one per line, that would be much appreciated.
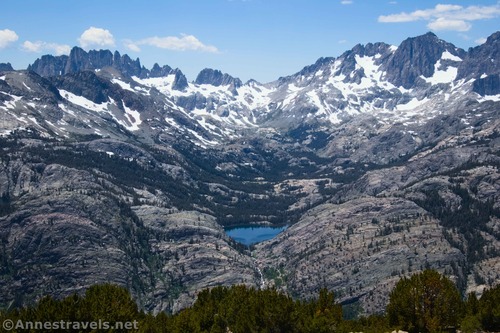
(424, 302)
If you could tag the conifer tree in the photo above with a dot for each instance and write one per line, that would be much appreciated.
(426, 302)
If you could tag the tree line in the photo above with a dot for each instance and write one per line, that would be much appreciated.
(425, 302)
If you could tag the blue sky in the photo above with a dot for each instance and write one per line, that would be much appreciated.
(259, 39)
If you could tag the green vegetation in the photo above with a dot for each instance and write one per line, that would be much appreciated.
(101, 302)
(483, 313)
(429, 302)
(239, 308)
(426, 302)
(278, 276)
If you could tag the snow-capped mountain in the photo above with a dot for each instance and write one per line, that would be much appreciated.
(394, 84)
(119, 173)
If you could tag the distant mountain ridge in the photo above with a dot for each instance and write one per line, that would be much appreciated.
(413, 59)
(80, 60)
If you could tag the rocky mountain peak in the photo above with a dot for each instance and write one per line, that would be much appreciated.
(157, 71)
(49, 65)
(86, 84)
(370, 49)
(321, 62)
(6, 67)
(494, 38)
(252, 82)
(417, 57)
(216, 78)
(482, 59)
(129, 67)
(348, 59)
(29, 85)
(80, 60)
(180, 82)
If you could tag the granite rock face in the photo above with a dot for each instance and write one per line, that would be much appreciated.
(481, 59)
(489, 85)
(6, 67)
(62, 232)
(65, 228)
(416, 57)
(359, 248)
(216, 78)
(398, 219)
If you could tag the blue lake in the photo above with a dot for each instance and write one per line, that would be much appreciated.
(254, 234)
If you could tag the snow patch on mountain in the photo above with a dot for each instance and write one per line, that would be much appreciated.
(83, 102)
(412, 104)
(222, 106)
(134, 117)
(371, 70)
(313, 97)
(442, 76)
(448, 56)
(492, 98)
(254, 96)
(12, 103)
(162, 84)
(123, 85)
(442, 73)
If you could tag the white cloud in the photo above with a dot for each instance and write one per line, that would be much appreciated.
(446, 24)
(131, 45)
(32, 47)
(342, 41)
(96, 37)
(346, 2)
(445, 16)
(7, 37)
(183, 43)
(475, 13)
(446, 8)
(480, 41)
(39, 46)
